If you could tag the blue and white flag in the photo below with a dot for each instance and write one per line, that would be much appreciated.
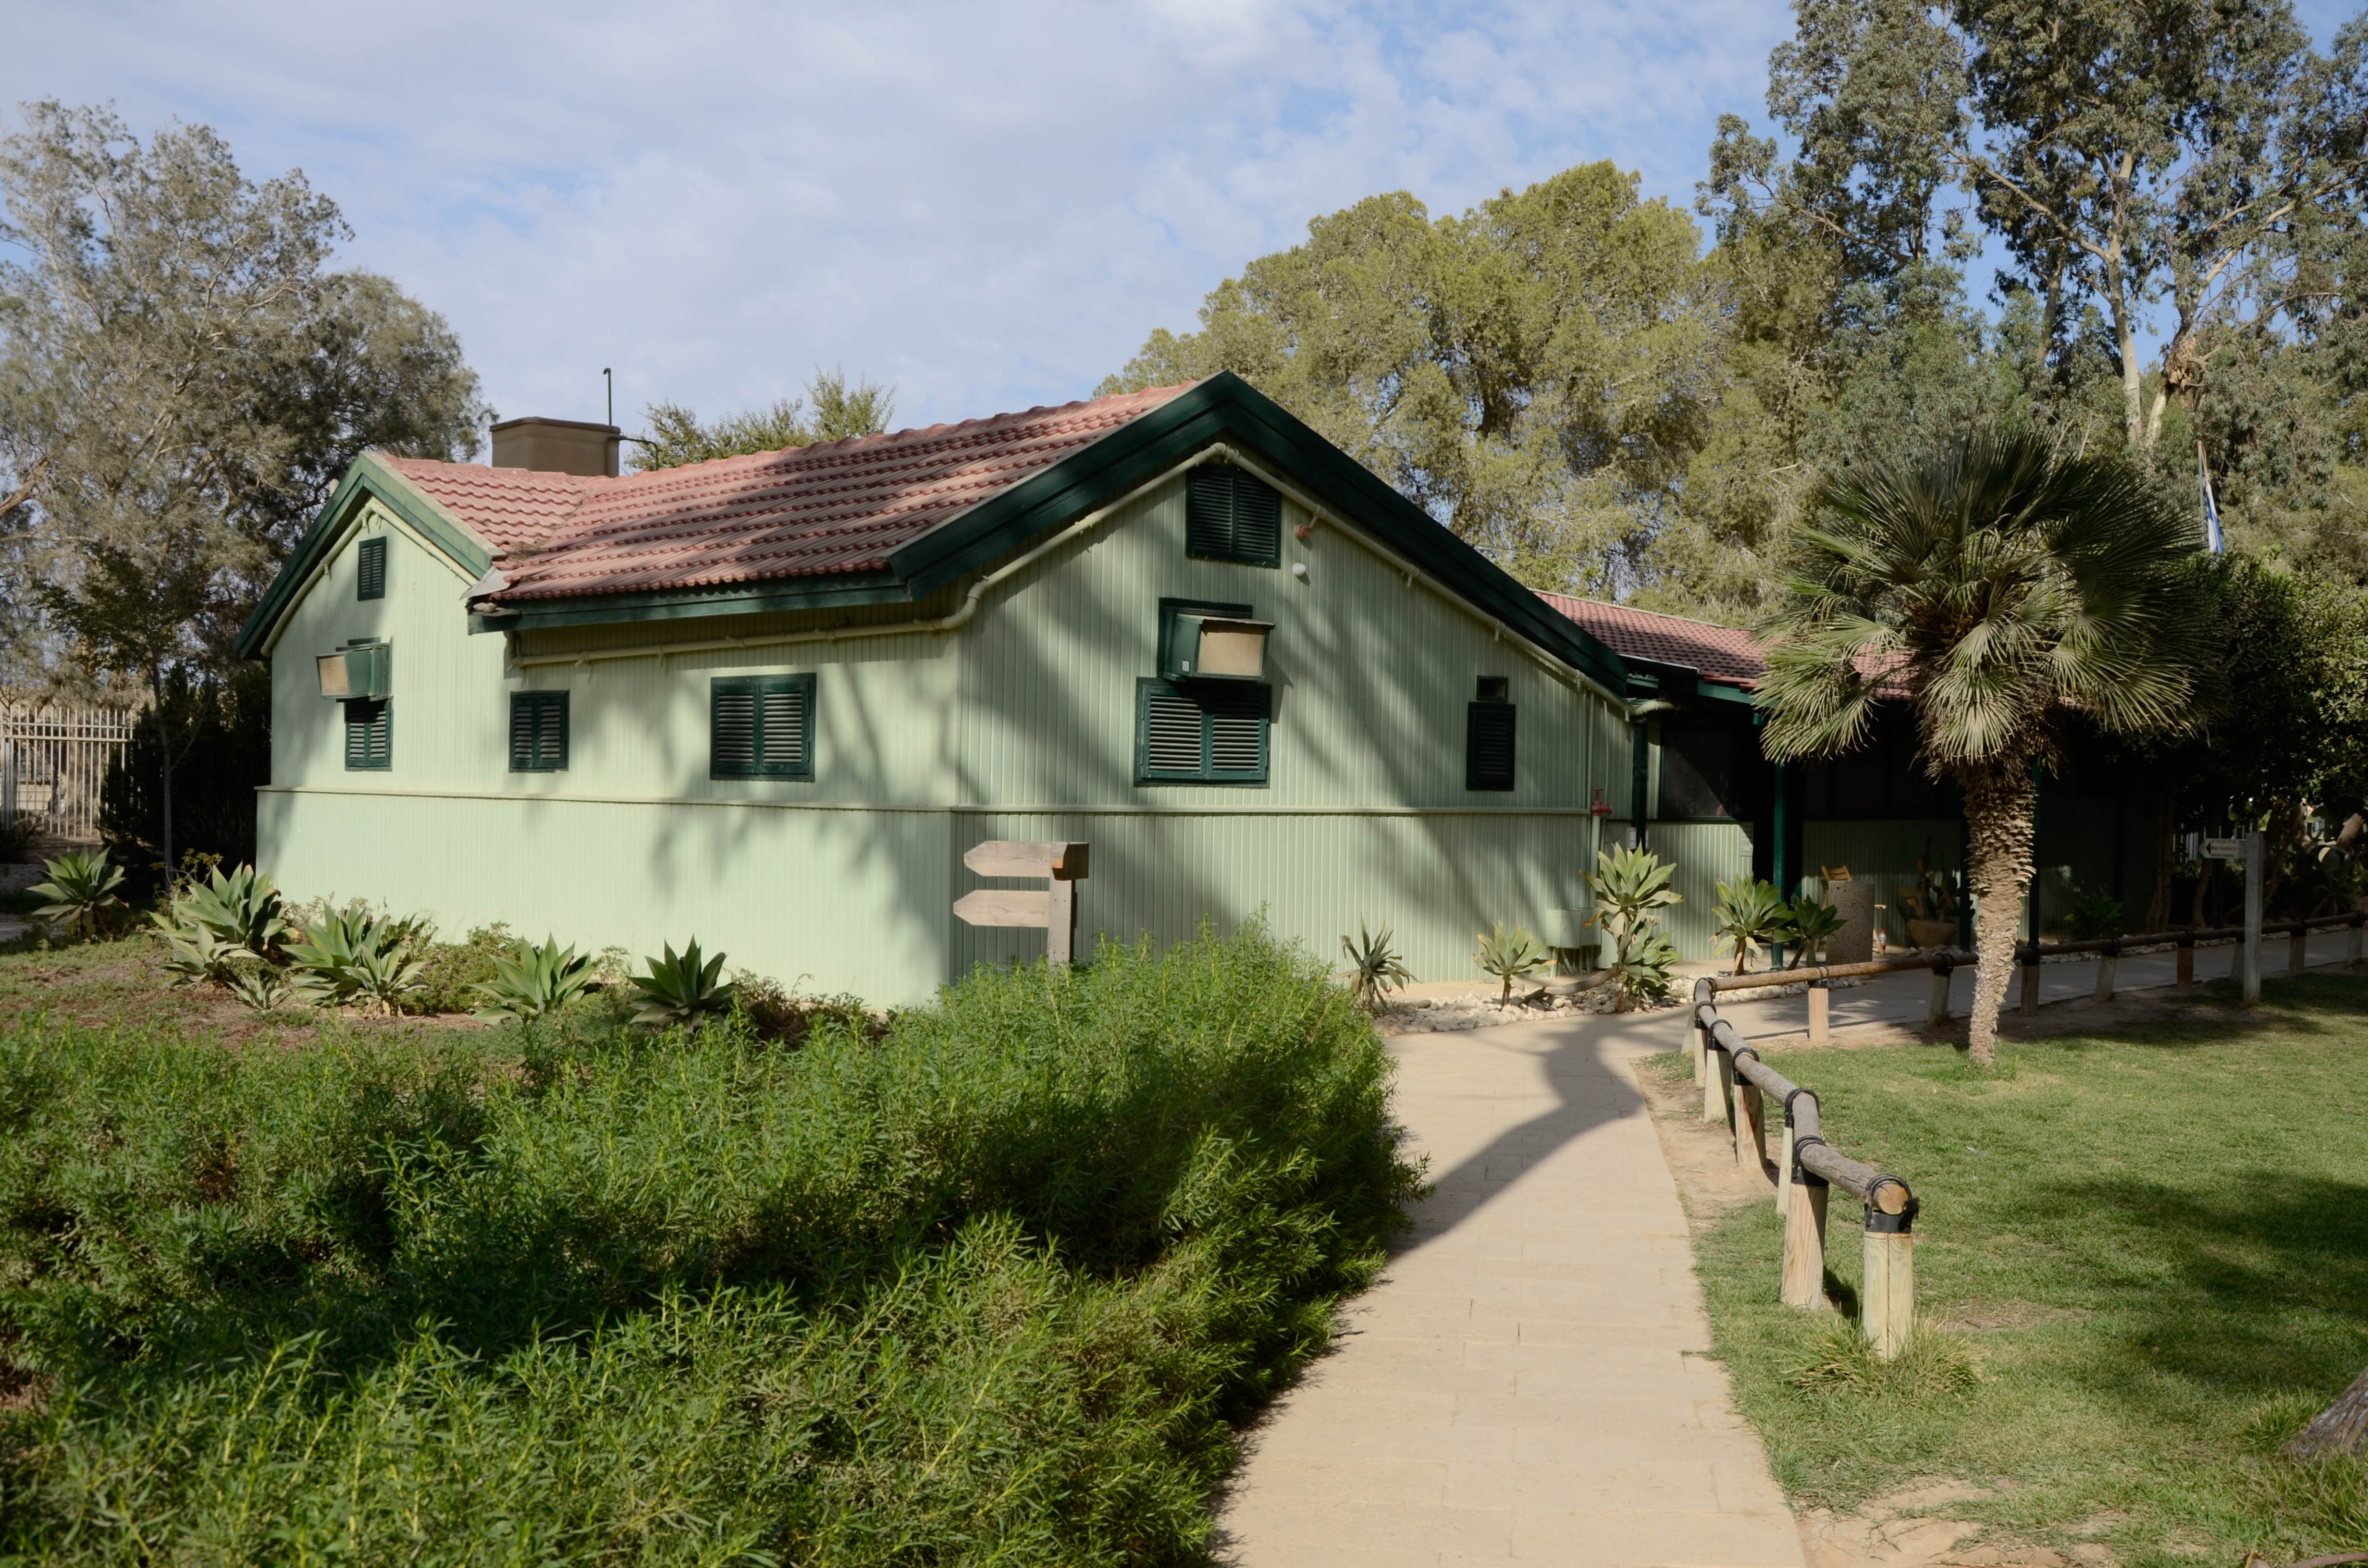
(2211, 540)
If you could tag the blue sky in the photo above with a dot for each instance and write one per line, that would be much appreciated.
(988, 204)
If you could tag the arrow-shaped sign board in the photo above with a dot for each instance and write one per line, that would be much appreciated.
(1052, 910)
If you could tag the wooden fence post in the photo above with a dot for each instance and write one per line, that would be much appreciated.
(2186, 980)
(1938, 1013)
(1821, 1028)
(2029, 956)
(1718, 1082)
(2249, 959)
(2107, 963)
(1784, 1166)
(1887, 1303)
(1698, 1040)
(2351, 940)
(1755, 1125)
(2298, 955)
(1803, 1283)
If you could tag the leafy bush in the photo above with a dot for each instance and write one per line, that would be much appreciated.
(80, 889)
(18, 833)
(779, 1012)
(2094, 916)
(1374, 968)
(220, 732)
(988, 1290)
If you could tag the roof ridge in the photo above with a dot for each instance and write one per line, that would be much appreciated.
(1657, 614)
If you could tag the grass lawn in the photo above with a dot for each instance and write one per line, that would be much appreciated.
(2146, 1258)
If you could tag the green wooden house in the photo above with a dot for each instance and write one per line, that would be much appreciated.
(770, 701)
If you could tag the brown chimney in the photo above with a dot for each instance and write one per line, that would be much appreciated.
(562, 446)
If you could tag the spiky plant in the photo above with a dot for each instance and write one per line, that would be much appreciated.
(259, 986)
(539, 980)
(1998, 589)
(80, 889)
(1510, 955)
(1814, 923)
(239, 908)
(1751, 913)
(681, 989)
(1374, 968)
(1630, 886)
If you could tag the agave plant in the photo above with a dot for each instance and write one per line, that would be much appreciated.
(81, 889)
(1630, 885)
(201, 957)
(677, 990)
(238, 908)
(1374, 968)
(540, 980)
(259, 985)
(1510, 955)
(382, 976)
(1814, 924)
(351, 955)
(1751, 913)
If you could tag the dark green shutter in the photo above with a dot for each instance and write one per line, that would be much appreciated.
(1232, 516)
(538, 731)
(761, 727)
(369, 741)
(1488, 745)
(370, 578)
(1205, 734)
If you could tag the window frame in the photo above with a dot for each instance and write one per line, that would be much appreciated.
(368, 550)
(385, 712)
(1260, 692)
(531, 702)
(1200, 479)
(760, 688)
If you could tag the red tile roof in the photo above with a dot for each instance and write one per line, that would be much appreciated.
(1722, 653)
(834, 507)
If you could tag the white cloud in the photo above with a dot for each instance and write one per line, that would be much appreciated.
(990, 204)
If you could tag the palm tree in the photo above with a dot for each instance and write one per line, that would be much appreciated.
(1998, 590)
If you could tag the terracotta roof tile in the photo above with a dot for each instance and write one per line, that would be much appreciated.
(1723, 653)
(1726, 654)
(834, 507)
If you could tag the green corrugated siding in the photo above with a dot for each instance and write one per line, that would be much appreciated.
(1705, 854)
(1882, 852)
(1435, 880)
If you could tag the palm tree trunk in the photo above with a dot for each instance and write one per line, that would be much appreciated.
(2340, 1428)
(1998, 816)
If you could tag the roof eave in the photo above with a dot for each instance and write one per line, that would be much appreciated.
(367, 479)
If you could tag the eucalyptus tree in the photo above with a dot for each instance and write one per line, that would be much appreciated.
(678, 435)
(2001, 590)
(1533, 372)
(183, 378)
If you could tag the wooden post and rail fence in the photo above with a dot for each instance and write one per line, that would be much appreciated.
(1807, 1172)
(1737, 1087)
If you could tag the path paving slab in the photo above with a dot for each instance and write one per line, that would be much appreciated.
(1530, 1381)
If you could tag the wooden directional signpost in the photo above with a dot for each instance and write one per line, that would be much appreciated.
(1052, 910)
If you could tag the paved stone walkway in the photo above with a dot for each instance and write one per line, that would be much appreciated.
(1529, 1382)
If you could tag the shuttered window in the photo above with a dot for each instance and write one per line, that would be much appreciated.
(1202, 734)
(538, 731)
(761, 727)
(370, 742)
(1488, 745)
(1232, 516)
(370, 577)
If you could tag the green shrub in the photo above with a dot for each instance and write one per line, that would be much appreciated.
(989, 1288)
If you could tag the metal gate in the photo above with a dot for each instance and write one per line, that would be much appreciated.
(54, 759)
